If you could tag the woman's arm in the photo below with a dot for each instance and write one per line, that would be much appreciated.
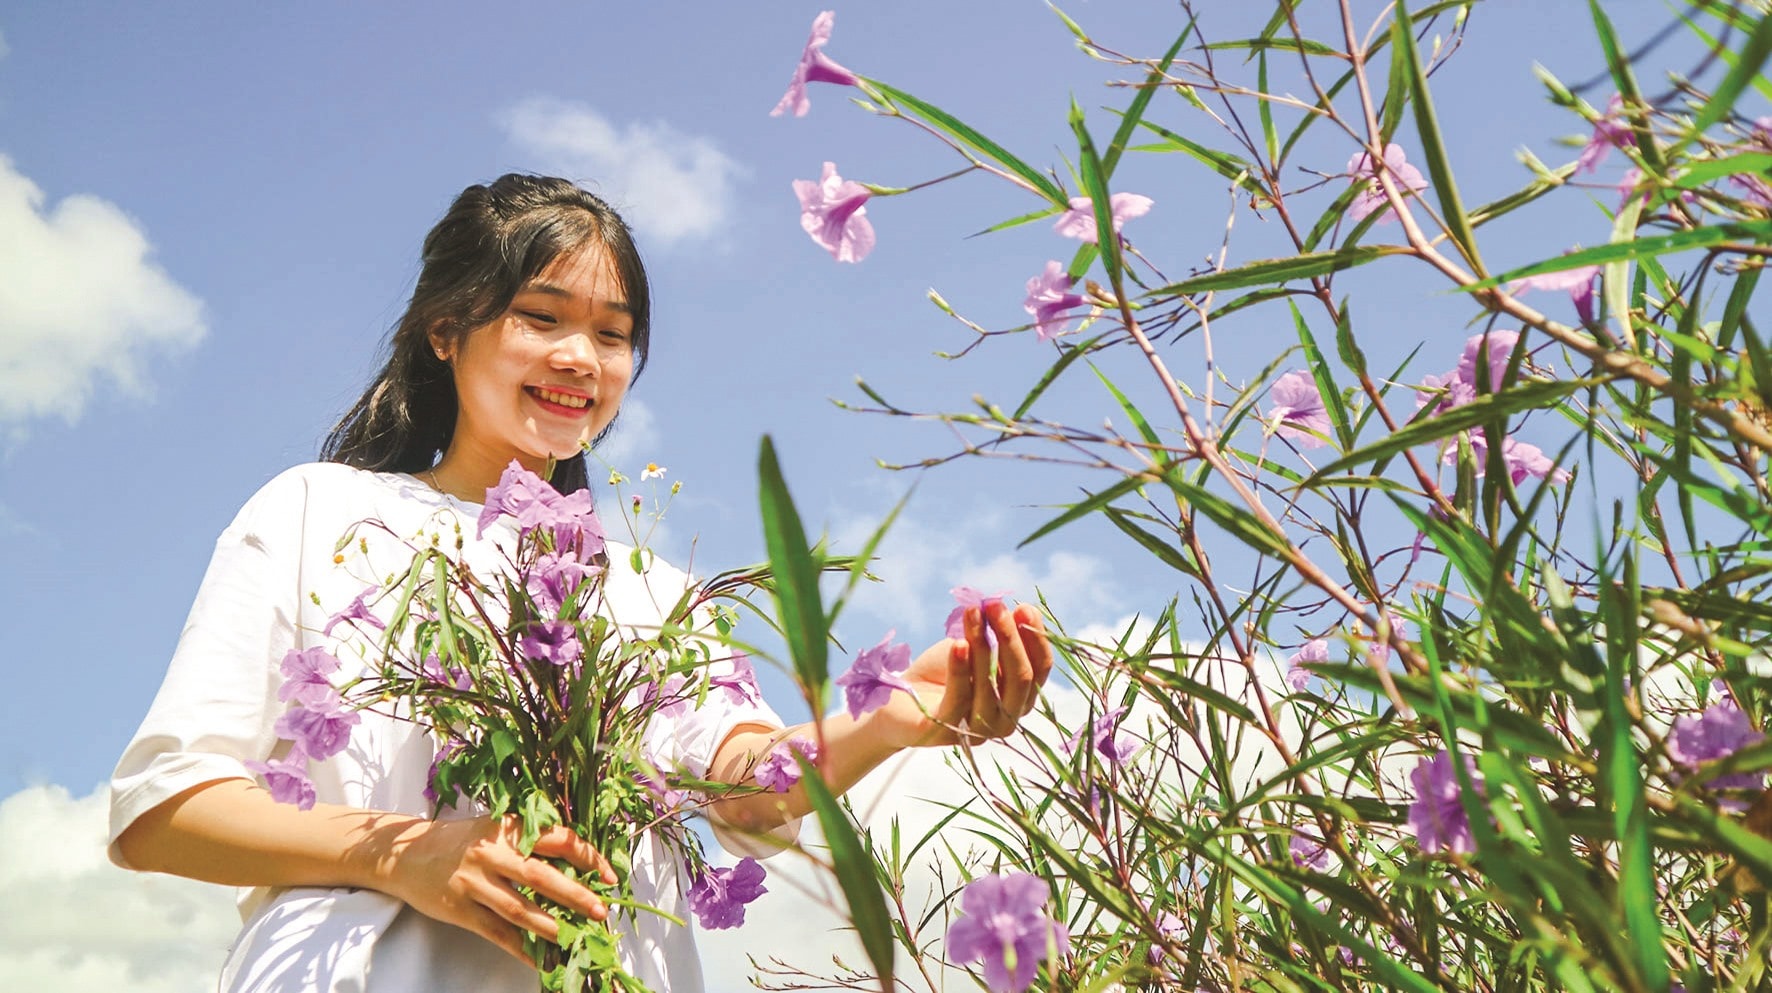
(462, 872)
(957, 698)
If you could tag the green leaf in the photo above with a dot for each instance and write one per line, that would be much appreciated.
(1529, 394)
(859, 570)
(1618, 63)
(1303, 45)
(1225, 164)
(1070, 356)
(1433, 148)
(1171, 555)
(1743, 70)
(1241, 524)
(941, 120)
(1135, 112)
(796, 578)
(1280, 270)
(1325, 379)
(1095, 502)
(1095, 187)
(854, 867)
(1754, 232)
(1696, 174)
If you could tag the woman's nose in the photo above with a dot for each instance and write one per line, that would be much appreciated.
(576, 352)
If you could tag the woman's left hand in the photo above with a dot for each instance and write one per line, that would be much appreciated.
(958, 697)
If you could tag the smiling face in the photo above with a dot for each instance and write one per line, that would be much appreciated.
(548, 375)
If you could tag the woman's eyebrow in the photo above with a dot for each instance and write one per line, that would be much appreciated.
(560, 291)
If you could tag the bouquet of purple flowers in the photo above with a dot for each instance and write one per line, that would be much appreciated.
(540, 700)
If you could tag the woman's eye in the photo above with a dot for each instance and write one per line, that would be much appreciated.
(536, 316)
(612, 334)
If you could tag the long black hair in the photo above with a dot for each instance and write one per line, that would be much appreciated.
(494, 239)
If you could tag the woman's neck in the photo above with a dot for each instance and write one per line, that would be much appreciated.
(466, 473)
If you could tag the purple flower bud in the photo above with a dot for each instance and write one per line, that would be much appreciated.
(779, 771)
(1437, 814)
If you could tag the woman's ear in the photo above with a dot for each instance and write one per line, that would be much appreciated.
(444, 347)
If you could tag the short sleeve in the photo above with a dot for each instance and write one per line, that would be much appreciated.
(216, 708)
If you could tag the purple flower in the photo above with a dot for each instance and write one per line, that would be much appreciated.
(718, 897)
(875, 674)
(1437, 814)
(554, 642)
(321, 730)
(442, 755)
(287, 778)
(1309, 853)
(1460, 386)
(778, 771)
(669, 697)
(815, 67)
(1718, 732)
(1610, 131)
(1049, 298)
(1298, 407)
(1171, 928)
(553, 579)
(740, 684)
(831, 212)
(432, 669)
(1104, 738)
(966, 597)
(305, 673)
(526, 497)
(1371, 199)
(1297, 676)
(1521, 459)
(1579, 282)
(1380, 651)
(1003, 918)
(1754, 191)
(519, 493)
(357, 611)
(1079, 221)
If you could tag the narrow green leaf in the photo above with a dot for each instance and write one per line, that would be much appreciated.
(796, 578)
(854, 866)
(1744, 69)
(1531, 394)
(1065, 361)
(1618, 63)
(1325, 379)
(1095, 187)
(1135, 111)
(1433, 148)
(1093, 503)
(943, 121)
(1756, 232)
(1231, 167)
(1256, 45)
(1133, 414)
(1265, 110)
(1169, 554)
(1280, 270)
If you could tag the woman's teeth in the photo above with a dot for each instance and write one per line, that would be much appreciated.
(563, 399)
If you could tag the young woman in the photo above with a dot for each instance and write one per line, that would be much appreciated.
(529, 321)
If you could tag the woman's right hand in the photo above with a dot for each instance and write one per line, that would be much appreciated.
(466, 873)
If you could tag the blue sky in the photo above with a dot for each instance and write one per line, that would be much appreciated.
(228, 203)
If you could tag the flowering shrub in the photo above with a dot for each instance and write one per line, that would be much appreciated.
(1427, 710)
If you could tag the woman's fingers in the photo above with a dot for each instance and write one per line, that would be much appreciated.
(563, 843)
(1030, 628)
(986, 718)
(1015, 669)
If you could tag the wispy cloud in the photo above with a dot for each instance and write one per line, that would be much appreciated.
(77, 924)
(670, 185)
(82, 304)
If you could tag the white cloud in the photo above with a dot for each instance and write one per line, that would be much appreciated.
(919, 561)
(77, 924)
(634, 441)
(80, 302)
(670, 185)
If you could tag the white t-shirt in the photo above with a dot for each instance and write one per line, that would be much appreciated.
(218, 705)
